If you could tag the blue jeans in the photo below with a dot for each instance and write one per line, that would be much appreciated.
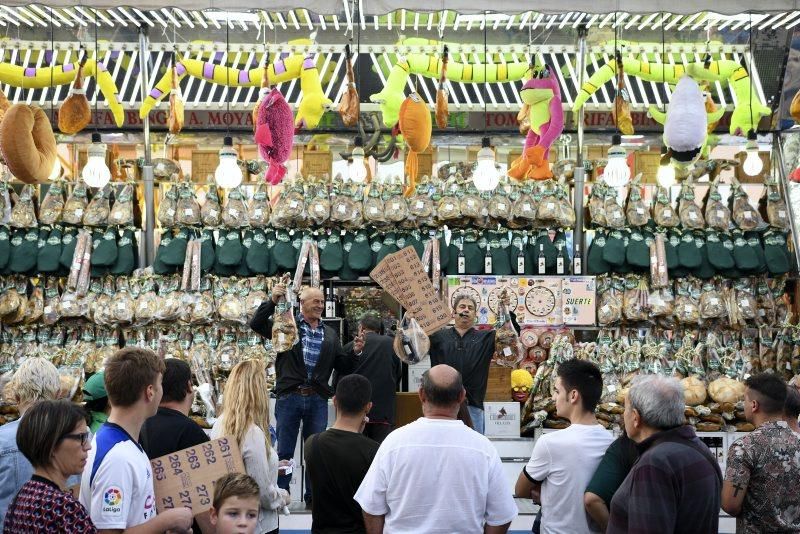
(290, 410)
(477, 418)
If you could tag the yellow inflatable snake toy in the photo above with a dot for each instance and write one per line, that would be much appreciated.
(312, 106)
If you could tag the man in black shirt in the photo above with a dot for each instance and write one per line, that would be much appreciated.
(378, 364)
(469, 351)
(338, 459)
(171, 430)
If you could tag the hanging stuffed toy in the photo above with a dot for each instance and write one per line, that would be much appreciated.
(175, 120)
(442, 113)
(314, 103)
(542, 95)
(274, 134)
(415, 125)
(75, 113)
(349, 107)
(686, 121)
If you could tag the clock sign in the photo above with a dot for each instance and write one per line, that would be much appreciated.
(467, 291)
(540, 301)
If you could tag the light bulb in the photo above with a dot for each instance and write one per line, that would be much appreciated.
(228, 174)
(358, 170)
(96, 173)
(752, 165)
(485, 177)
(665, 176)
(617, 173)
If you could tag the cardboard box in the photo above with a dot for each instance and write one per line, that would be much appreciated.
(425, 163)
(502, 419)
(498, 385)
(409, 408)
(646, 163)
(317, 163)
(187, 477)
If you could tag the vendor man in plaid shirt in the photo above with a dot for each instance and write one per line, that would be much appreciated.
(303, 373)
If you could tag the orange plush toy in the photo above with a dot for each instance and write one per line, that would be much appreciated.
(415, 125)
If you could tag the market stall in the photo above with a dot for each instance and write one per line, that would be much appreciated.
(620, 174)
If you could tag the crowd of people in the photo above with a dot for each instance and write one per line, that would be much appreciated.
(67, 469)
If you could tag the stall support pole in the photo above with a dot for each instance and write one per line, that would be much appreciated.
(580, 171)
(147, 168)
(778, 161)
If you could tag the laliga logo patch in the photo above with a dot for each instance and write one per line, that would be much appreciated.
(112, 498)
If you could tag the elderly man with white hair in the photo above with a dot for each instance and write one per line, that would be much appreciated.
(675, 485)
(35, 380)
(303, 373)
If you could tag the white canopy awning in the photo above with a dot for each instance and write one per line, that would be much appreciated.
(380, 7)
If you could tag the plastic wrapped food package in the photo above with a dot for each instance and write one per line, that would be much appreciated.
(597, 209)
(636, 210)
(124, 305)
(524, 210)
(664, 214)
(284, 328)
(718, 216)
(122, 210)
(231, 305)
(259, 210)
(168, 208)
(777, 212)
(420, 205)
(711, 304)
(319, 208)
(609, 310)
(187, 210)
(234, 213)
(508, 350)
(211, 212)
(565, 213)
(411, 343)
(98, 209)
(169, 301)
(690, 214)
(75, 206)
(547, 207)
(395, 206)
(449, 206)
(52, 204)
(23, 214)
(635, 305)
(744, 214)
(614, 214)
(374, 212)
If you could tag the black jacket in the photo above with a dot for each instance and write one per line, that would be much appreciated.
(289, 365)
(379, 364)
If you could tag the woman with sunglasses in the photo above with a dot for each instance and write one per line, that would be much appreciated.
(55, 439)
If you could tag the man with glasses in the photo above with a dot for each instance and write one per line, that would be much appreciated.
(303, 374)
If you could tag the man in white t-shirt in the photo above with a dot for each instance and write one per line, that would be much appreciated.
(563, 462)
(117, 482)
(436, 474)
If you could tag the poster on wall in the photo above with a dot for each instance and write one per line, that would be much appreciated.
(539, 300)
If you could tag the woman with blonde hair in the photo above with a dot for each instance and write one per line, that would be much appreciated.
(245, 417)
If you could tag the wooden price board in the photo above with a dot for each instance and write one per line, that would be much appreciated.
(187, 477)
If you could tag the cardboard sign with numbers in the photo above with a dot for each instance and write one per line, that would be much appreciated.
(187, 477)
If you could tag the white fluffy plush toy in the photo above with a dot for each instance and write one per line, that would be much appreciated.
(686, 121)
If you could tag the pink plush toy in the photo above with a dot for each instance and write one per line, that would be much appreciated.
(274, 134)
(543, 97)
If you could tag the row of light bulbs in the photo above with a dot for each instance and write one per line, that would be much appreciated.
(485, 177)
(617, 173)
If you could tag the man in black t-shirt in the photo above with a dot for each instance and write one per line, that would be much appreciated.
(338, 459)
(170, 429)
(380, 365)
